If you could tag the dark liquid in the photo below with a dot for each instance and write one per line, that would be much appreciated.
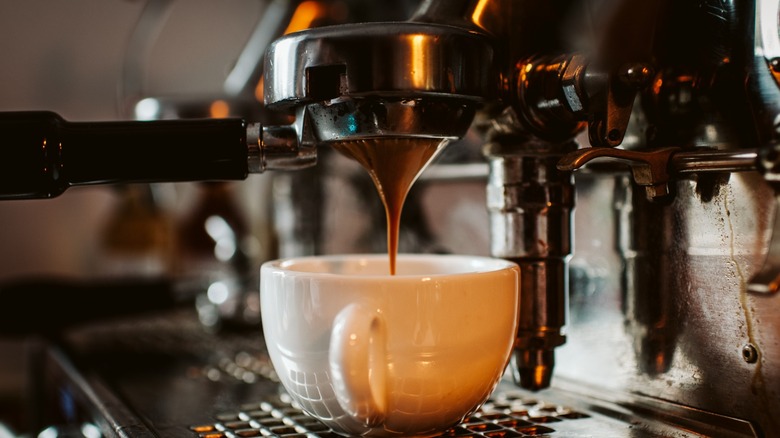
(394, 164)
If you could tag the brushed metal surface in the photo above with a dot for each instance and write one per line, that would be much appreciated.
(667, 315)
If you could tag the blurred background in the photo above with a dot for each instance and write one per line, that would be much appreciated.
(68, 57)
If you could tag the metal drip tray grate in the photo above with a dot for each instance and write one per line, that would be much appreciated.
(158, 362)
(506, 414)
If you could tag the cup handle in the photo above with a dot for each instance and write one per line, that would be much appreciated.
(358, 363)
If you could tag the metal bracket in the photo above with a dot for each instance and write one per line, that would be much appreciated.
(650, 169)
(654, 169)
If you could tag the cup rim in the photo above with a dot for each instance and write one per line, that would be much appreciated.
(482, 265)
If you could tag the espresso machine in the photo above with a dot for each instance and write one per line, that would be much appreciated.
(624, 154)
(657, 120)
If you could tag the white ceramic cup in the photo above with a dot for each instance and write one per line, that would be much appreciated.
(372, 354)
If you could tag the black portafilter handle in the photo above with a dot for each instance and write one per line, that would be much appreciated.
(41, 154)
(50, 305)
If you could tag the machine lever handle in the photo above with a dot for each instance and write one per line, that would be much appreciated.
(650, 169)
(654, 169)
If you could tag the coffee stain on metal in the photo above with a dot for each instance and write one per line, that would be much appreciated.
(757, 386)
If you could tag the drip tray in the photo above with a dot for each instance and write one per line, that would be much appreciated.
(506, 414)
(164, 376)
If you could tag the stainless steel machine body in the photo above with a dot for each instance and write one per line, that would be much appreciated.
(656, 291)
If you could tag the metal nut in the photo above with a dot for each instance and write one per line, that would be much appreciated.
(571, 83)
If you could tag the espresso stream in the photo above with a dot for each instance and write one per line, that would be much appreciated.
(394, 164)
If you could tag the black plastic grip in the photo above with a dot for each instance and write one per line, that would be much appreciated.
(41, 154)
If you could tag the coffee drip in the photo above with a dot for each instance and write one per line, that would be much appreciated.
(394, 165)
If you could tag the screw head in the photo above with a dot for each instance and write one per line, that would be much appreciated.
(636, 75)
(749, 353)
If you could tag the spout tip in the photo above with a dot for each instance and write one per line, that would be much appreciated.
(533, 368)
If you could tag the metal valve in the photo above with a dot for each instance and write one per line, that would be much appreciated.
(654, 169)
(650, 169)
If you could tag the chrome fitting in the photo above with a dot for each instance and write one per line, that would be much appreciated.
(277, 148)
